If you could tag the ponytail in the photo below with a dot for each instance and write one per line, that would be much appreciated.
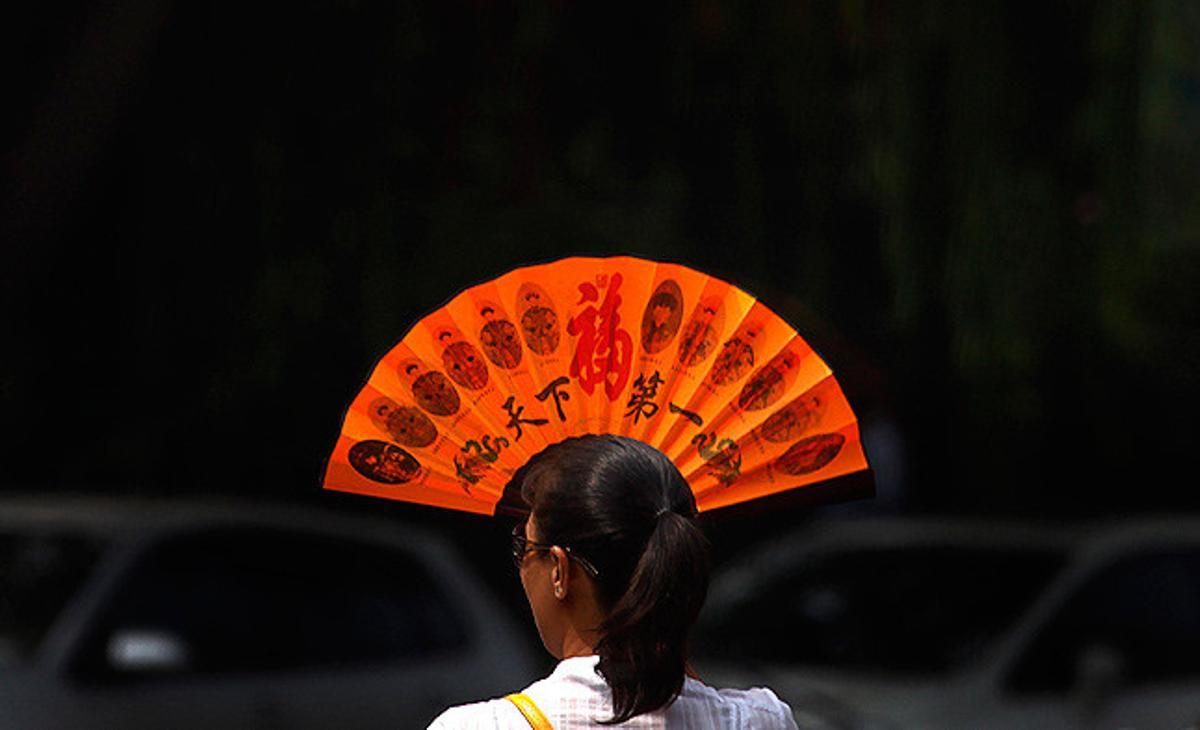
(643, 652)
(624, 506)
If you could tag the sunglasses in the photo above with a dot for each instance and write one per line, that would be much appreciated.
(522, 545)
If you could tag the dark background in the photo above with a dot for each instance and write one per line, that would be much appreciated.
(217, 217)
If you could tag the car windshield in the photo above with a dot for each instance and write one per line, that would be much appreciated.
(39, 572)
(896, 611)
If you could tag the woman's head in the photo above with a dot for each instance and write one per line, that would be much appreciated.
(621, 547)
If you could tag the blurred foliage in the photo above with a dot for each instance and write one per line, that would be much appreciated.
(995, 203)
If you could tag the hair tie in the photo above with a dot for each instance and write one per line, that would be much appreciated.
(659, 514)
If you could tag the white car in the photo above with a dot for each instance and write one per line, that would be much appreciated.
(153, 615)
(896, 623)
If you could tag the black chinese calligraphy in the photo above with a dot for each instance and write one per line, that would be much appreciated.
(477, 458)
(486, 448)
(641, 401)
(515, 419)
(690, 415)
(469, 468)
(382, 462)
(554, 390)
(724, 462)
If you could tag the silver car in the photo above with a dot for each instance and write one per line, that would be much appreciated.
(902, 623)
(184, 615)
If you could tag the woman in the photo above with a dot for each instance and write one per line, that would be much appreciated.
(615, 570)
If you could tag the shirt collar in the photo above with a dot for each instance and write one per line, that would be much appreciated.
(577, 666)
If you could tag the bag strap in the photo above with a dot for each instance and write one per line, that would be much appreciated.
(532, 714)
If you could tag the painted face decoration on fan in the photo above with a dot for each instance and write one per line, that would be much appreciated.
(794, 419)
(810, 454)
(664, 313)
(462, 361)
(499, 339)
(700, 337)
(406, 425)
(736, 358)
(383, 462)
(433, 391)
(769, 384)
(659, 352)
(539, 320)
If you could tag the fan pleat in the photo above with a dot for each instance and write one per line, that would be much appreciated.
(767, 479)
(464, 309)
(790, 372)
(436, 457)
(694, 289)
(819, 410)
(756, 335)
(715, 316)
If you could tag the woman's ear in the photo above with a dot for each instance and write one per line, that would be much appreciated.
(560, 573)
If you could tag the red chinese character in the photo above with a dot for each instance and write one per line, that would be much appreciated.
(604, 351)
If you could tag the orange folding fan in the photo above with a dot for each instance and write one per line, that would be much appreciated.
(659, 352)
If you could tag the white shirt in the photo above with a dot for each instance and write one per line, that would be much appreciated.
(574, 696)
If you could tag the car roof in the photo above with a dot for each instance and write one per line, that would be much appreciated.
(1123, 536)
(900, 533)
(105, 516)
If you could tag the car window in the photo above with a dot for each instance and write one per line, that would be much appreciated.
(237, 600)
(916, 610)
(39, 572)
(1143, 610)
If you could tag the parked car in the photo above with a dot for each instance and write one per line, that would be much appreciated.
(119, 614)
(948, 624)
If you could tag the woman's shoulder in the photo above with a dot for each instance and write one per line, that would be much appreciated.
(760, 698)
(573, 683)
(756, 707)
(497, 713)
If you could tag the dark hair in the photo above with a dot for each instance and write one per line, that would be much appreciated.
(624, 506)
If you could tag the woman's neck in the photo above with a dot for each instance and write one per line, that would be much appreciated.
(578, 642)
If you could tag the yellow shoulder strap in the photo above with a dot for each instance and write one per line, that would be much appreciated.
(532, 714)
